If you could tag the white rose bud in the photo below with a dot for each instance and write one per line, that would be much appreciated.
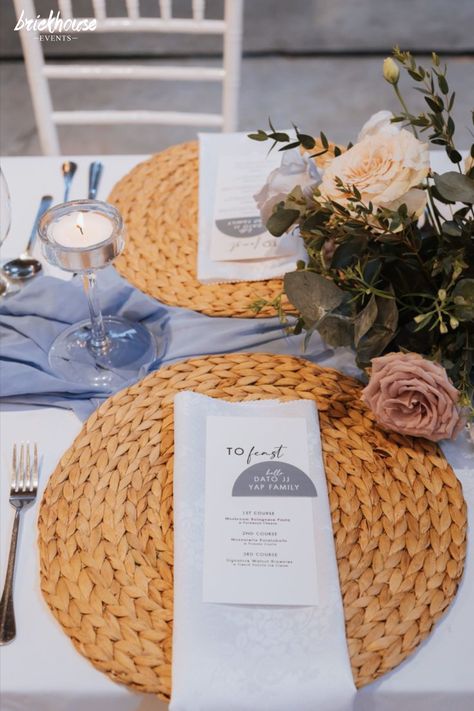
(391, 72)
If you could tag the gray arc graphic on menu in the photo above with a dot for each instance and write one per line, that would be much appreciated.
(273, 479)
(241, 227)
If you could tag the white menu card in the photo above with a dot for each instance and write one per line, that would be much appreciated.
(238, 231)
(233, 243)
(259, 544)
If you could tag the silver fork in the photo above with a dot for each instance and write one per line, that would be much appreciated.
(23, 490)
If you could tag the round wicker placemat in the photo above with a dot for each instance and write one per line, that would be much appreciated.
(158, 200)
(105, 523)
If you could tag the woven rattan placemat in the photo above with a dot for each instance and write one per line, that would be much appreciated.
(105, 523)
(158, 200)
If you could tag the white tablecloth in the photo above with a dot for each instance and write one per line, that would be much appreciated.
(41, 671)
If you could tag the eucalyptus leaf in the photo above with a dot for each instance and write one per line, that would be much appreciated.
(387, 313)
(381, 333)
(312, 294)
(437, 195)
(451, 228)
(281, 220)
(336, 330)
(372, 345)
(365, 319)
(308, 335)
(455, 186)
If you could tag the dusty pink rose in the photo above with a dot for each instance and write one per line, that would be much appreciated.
(413, 396)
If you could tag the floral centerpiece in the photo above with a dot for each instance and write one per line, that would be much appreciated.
(390, 245)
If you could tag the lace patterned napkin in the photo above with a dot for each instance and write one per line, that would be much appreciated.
(245, 657)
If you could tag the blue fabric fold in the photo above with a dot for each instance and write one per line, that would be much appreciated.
(31, 319)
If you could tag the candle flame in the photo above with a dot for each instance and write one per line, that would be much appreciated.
(80, 222)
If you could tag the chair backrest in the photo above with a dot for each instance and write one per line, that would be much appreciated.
(39, 72)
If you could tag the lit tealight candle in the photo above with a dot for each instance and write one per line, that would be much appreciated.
(80, 230)
(82, 236)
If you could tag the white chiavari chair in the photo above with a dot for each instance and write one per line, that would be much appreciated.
(40, 72)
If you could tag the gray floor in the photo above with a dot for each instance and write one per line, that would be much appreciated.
(333, 95)
(282, 76)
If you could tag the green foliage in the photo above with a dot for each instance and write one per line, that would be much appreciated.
(312, 294)
(455, 187)
(376, 279)
(435, 89)
(281, 221)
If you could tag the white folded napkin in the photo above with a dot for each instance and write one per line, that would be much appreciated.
(251, 657)
(213, 146)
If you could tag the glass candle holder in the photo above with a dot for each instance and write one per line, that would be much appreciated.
(104, 352)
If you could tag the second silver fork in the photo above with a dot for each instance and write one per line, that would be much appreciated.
(23, 490)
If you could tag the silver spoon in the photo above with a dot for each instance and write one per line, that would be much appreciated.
(69, 170)
(25, 266)
(95, 172)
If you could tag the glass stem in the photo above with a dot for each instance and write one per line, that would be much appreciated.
(99, 342)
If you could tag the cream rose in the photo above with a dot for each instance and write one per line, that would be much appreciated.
(385, 167)
(380, 122)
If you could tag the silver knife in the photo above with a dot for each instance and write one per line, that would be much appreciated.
(95, 173)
